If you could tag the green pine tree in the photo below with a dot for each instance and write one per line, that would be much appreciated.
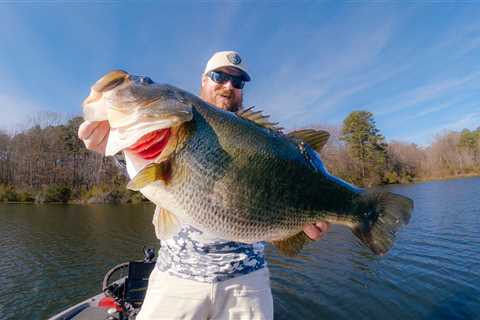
(366, 146)
(470, 140)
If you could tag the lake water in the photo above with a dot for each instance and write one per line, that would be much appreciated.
(52, 256)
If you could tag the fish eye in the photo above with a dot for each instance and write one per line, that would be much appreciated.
(179, 96)
(146, 80)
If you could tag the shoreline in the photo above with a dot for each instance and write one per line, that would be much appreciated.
(459, 176)
(74, 202)
(85, 202)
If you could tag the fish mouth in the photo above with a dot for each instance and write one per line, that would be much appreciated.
(135, 107)
(151, 145)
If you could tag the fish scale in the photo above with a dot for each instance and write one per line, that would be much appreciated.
(243, 213)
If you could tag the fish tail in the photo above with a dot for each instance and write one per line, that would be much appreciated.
(381, 215)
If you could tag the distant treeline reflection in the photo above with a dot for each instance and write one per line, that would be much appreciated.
(48, 163)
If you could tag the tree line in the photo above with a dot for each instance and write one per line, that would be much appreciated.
(50, 164)
(359, 153)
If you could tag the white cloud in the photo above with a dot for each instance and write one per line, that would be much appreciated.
(334, 63)
(428, 92)
(18, 113)
(469, 121)
(434, 109)
(460, 39)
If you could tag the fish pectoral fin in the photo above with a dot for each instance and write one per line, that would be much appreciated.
(166, 224)
(317, 139)
(151, 173)
(293, 245)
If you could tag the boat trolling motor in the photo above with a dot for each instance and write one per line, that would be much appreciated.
(124, 287)
(128, 292)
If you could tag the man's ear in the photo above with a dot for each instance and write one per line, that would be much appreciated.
(204, 79)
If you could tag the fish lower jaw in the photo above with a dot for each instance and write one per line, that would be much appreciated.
(94, 108)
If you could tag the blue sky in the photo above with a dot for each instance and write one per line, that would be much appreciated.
(415, 66)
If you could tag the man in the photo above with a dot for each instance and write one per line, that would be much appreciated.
(198, 277)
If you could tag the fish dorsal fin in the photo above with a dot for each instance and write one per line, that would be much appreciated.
(151, 173)
(259, 118)
(166, 224)
(293, 245)
(314, 138)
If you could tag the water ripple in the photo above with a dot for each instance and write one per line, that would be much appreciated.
(54, 256)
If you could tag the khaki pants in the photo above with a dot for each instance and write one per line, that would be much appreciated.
(247, 297)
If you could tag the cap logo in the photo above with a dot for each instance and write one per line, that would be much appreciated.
(234, 58)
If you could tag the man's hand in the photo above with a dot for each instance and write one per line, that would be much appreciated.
(94, 135)
(316, 231)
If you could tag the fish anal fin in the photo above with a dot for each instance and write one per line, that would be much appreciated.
(293, 245)
(166, 224)
(258, 118)
(151, 173)
(317, 139)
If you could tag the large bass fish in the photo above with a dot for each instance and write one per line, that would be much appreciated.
(235, 176)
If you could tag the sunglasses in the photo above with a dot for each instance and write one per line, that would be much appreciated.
(220, 77)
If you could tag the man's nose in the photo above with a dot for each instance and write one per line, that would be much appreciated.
(228, 84)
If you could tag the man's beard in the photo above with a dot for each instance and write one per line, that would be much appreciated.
(234, 104)
(213, 96)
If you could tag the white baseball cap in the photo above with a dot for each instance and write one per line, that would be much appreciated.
(223, 59)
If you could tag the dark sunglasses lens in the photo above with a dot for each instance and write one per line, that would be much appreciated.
(220, 77)
(215, 76)
(237, 83)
